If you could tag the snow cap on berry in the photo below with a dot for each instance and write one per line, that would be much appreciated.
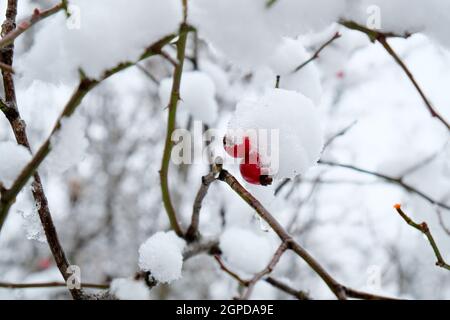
(286, 131)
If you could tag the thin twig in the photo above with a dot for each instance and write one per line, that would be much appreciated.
(394, 180)
(233, 274)
(84, 87)
(338, 289)
(381, 37)
(28, 23)
(423, 227)
(10, 285)
(192, 232)
(340, 133)
(11, 111)
(275, 259)
(300, 295)
(316, 54)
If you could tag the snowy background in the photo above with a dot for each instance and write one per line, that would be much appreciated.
(102, 179)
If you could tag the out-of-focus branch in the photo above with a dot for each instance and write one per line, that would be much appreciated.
(316, 54)
(394, 180)
(423, 227)
(9, 108)
(23, 26)
(381, 38)
(340, 133)
(5, 67)
(339, 290)
(231, 273)
(11, 285)
(8, 196)
(298, 294)
(275, 259)
(84, 87)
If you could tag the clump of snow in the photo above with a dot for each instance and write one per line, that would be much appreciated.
(296, 120)
(430, 17)
(32, 225)
(288, 56)
(129, 289)
(197, 91)
(75, 44)
(162, 255)
(247, 34)
(245, 250)
(68, 145)
(14, 158)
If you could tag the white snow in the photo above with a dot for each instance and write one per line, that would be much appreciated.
(247, 34)
(245, 250)
(288, 56)
(103, 34)
(14, 159)
(162, 255)
(197, 91)
(68, 145)
(298, 123)
(129, 289)
(32, 225)
(430, 17)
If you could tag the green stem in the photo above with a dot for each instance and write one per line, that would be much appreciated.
(172, 109)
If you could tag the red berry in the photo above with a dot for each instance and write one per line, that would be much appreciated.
(44, 263)
(237, 150)
(251, 170)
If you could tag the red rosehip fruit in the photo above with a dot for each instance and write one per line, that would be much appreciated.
(240, 150)
(252, 171)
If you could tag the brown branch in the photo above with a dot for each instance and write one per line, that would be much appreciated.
(338, 289)
(9, 108)
(272, 281)
(316, 54)
(11, 111)
(382, 39)
(423, 227)
(84, 87)
(394, 180)
(6, 67)
(371, 33)
(300, 295)
(231, 273)
(192, 232)
(10, 285)
(276, 258)
(28, 23)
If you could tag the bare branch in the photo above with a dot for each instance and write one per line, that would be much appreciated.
(398, 181)
(382, 39)
(316, 54)
(300, 295)
(192, 232)
(423, 227)
(84, 87)
(28, 23)
(11, 111)
(338, 289)
(276, 258)
(10, 285)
